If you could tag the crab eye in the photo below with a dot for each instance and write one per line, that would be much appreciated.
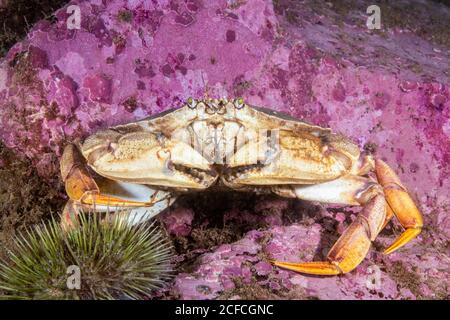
(191, 103)
(239, 103)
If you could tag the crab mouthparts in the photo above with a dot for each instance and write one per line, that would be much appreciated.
(200, 176)
(236, 172)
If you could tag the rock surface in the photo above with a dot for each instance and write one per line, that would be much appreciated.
(387, 89)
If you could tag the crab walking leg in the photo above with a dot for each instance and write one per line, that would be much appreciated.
(353, 245)
(401, 204)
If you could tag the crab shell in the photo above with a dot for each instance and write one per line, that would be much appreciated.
(227, 144)
(204, 142)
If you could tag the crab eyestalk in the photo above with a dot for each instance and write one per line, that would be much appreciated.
(112, 258)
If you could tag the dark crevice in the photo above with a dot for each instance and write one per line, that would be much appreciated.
(17, 17)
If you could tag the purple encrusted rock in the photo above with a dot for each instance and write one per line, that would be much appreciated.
(178, 222)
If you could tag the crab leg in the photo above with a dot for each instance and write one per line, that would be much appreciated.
(401, 204)
(353, 245)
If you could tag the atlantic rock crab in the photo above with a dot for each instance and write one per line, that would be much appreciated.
(226, 144)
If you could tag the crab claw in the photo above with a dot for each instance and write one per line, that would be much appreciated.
(81, 186)
(291, 158)
(104, 195)
(147, 158)
(75, 175)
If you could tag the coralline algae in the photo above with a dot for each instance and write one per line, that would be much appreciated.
(387, 89)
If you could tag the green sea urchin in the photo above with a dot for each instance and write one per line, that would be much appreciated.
(96, 260)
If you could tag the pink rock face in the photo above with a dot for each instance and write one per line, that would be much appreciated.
(386, 89)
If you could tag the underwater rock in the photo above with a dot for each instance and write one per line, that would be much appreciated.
(413, 273)
(387, 89)
(178, 222)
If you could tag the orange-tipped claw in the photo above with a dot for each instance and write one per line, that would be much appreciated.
(401, 204)
(319, 268)
(82, 188)
(102, 194)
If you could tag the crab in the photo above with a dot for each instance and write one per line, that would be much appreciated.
(226, 144)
